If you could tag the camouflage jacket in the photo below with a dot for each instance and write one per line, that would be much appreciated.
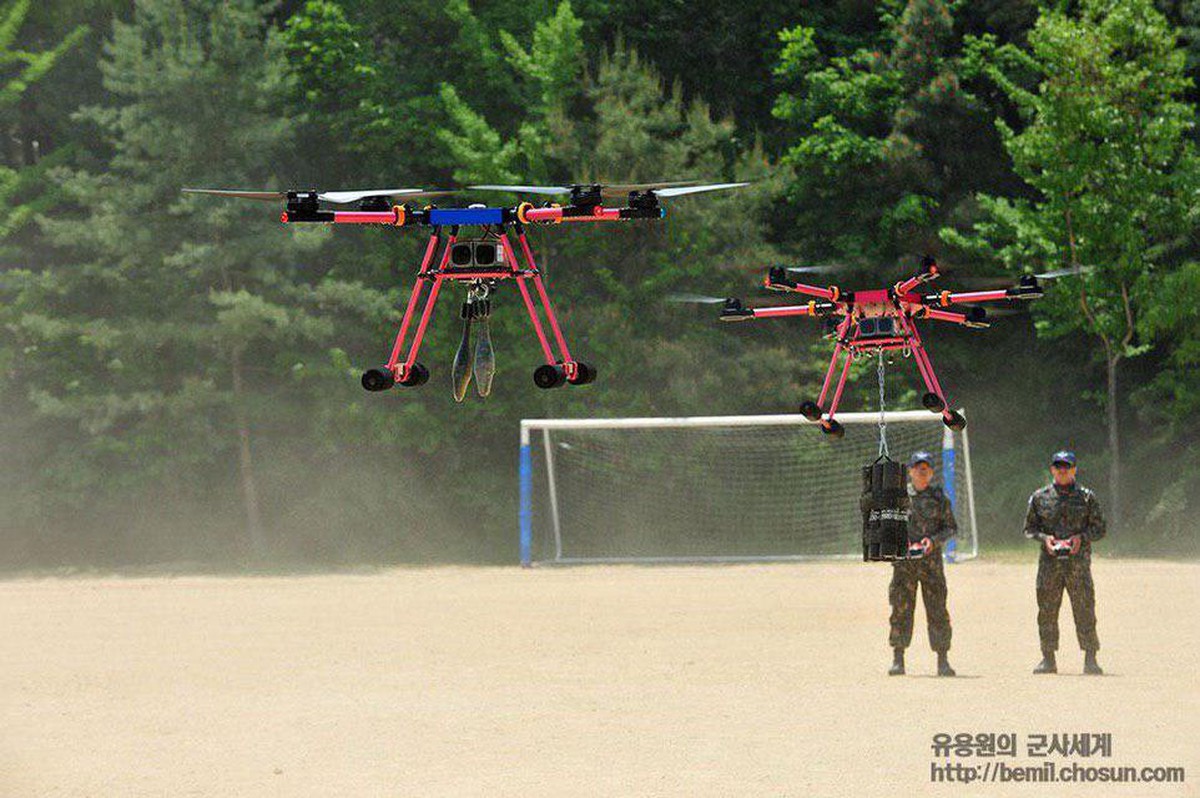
(930, 515)
(1064, 513)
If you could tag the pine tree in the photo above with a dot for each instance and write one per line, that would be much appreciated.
(154, 355)
(884, 134)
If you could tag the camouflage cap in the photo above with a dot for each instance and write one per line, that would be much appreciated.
(920, 457)
(1063, 456)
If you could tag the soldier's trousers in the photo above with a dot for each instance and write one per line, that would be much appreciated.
(1073, 574)
(902, 594)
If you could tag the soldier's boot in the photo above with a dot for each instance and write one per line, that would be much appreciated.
(1048, 663)
(897, 668)
(944, 668)
(1090, 666)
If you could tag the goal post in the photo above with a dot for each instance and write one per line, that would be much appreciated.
(717, 488)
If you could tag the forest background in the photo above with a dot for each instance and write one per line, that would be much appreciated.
(179, 376)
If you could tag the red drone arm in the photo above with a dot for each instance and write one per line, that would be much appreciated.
(786, 310)
(944, 315)
(947, 298)
(912, 282)
(831, 293)
(776, 280)
(733, 310)
(555, 214)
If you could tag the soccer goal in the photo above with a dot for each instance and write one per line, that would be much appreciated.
(717, 488)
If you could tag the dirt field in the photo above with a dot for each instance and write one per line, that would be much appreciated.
(755, 680)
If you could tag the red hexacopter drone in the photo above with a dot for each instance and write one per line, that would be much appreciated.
(480, 262)
(877, 321)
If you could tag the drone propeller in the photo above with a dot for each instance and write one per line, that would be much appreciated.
(342, 197)
(551, 190)
(1053, 275)
(998, 281)
(705, 299)
(679, 192)
(696, 299)
(821, 268)
(625, 188)
(337, 197)
(266, 196)
(675, 188)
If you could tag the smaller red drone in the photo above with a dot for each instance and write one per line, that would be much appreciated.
(872, 322)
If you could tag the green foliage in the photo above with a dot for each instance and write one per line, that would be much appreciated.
(27, 67)
(139, 348)
(323, 44)
(145, 336)
(1170, 317)
(21, 196)
(549, 75)
(1105, 151)
(871, 130)
(553, 61)
(616, 121)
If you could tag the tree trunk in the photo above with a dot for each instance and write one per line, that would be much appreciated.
(256, 539)
(1114, 445)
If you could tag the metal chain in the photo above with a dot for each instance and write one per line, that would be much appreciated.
(883, 444)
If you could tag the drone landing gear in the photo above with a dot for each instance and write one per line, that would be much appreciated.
(382, 378)
(906, 338)
(810, 410)
(547, 376)
(833, 428)
(556, 375)
(934, 399)
(478, 362)
(584, 374)
(379, 379)
(417, 375)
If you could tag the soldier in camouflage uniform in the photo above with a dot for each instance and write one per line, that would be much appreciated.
(1065, 517)
(930, 524)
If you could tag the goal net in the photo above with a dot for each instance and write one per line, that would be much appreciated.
(719, 488)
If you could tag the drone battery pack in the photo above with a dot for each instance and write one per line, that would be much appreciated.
(884, 506)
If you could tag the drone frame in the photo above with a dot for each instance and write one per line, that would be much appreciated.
(560, 367)
(586, 205)
(893, 314)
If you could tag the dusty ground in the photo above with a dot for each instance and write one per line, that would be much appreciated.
(756, 680)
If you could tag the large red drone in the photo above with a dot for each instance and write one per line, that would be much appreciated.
(479, 262)
(881, 320)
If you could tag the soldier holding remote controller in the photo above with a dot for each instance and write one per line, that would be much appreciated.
(1065, 517)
